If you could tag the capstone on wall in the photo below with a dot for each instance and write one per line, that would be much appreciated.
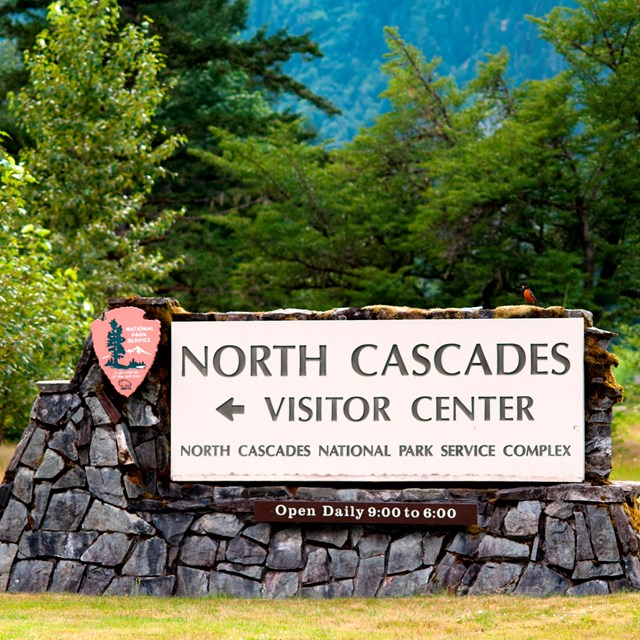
(88, 506)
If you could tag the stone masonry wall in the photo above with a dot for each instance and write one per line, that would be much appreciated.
(88, 506)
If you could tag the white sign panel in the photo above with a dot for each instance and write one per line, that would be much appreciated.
(378, 400)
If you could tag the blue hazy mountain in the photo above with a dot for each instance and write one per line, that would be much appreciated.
(350, 34)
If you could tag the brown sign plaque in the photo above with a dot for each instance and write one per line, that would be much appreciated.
(334, 512)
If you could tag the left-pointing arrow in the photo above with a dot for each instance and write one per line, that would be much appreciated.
(228, 409)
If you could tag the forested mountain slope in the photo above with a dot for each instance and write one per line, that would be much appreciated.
(350, 34)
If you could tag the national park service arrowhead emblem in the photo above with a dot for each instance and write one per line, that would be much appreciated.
(126, 345)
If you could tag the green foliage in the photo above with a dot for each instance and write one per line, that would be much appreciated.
(40, 334)
(222, 80)
(95, 153)
(352, 38)
(73, 231)
(320, 232)
(627, 348)
(459, 194)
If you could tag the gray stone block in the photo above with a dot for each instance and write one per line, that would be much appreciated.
(493, 547)
(285, 550)
(103, 451)
(74, 478)
(52, 464)
(30, 576)
(150, 391)
(335, 537)
(105, 483)
(60, 544)
(163, 455)
(146, 455)
(108, 550)
(603, 535)
(340, 589)
(93, 379)
(632, 570)
(317, 493)
(8, 553)
(67, 577)
(590, 588)
(465, 544)
(425, 495)
(626, 533)
(344, 563)
(559, 544)
(316, 569)
(522, 522)
(106, 517)
(126, 452)
(432, 545)
(98, 414)
(199, 551)
(140, 413)
(66, 510)
(149, 558)
(449, 573)
(225, 525)
(561, 510)
(133, 487)
(53, 409)
(405, 554)
(13, 521)
(539, 580)
(468, 579)
(584, 550)
(230, 585)
(409, 584)
(161, 586)
(281, 584)
(192, 583)
(374, 544)
(248, 571)
(496, 577)
(369, 576)
(35, 449)
(23, 485)
(66, 442)
(585, 493)
(96, 580)
(588, 569)
(260, 532)
(172, 526)
(244, 551)
(41, 501)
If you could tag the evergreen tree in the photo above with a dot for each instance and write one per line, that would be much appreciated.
(115, 341)
(458, 194)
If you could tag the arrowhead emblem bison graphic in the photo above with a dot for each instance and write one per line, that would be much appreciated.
(125, 344)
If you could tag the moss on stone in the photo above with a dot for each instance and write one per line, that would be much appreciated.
(528, 311)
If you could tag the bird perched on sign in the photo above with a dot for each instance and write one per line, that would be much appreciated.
(529, 298)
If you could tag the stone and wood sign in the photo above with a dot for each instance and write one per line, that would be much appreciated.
(89, 503)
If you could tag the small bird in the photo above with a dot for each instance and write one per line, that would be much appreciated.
(529, 298)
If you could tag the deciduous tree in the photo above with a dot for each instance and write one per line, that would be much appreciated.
(95, 152)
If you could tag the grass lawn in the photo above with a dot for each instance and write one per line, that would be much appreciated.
(626, 451)
(63, 617)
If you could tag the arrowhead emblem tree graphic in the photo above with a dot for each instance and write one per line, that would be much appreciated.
(125, 344)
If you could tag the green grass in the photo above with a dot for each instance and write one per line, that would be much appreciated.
(65, 617)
